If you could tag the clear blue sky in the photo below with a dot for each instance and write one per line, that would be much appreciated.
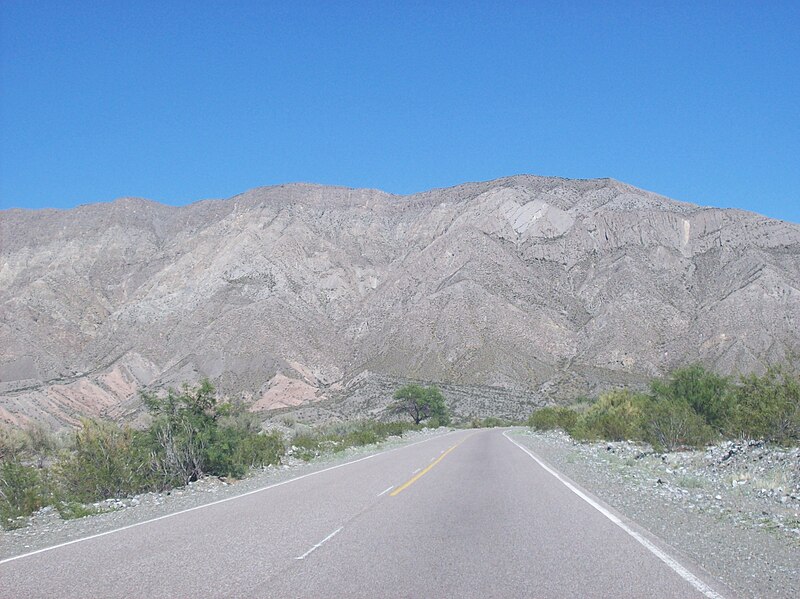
(178, 101)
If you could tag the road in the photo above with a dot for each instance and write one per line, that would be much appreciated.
(468, 514)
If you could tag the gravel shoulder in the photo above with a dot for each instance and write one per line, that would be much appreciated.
(46, 528)
(734, 508)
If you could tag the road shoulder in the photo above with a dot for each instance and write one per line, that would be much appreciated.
(750, 560)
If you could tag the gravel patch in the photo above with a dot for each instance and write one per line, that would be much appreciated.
(46, 528)
(733, 508)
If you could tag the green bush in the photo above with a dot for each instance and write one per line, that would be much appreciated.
(306, 446)
(259, 450)
(706, 393)
(222, 457)
(433, 422)
(392, 429)
(767, 407)
(106, 462)
(550, 418)
(311, 443)
(245, 445)
(22, 492)
(671, 424)
(691, 408)
(616, 416)
(13, 444)
(72, 510)
(191, 435)
(364, 436)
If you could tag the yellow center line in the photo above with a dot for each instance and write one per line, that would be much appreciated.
(415, 478)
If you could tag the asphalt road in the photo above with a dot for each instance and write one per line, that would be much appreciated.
(469, 514)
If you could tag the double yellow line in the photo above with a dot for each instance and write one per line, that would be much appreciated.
(419, 475)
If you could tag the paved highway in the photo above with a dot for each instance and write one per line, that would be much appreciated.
(468, 514)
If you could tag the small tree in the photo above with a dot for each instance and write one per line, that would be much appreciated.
(437, 408)
(421, 403)
(193, 435)
(183, 429)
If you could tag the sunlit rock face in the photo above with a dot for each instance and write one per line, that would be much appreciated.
(283, 295)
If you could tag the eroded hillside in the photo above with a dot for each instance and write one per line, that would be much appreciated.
(284, 295)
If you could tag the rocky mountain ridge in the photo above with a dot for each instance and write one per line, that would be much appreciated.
(291, 294)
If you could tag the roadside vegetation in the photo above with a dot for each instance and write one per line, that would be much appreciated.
(690, 408)
(191, 435)
(421, 403)
(308, 443)
(490, 422)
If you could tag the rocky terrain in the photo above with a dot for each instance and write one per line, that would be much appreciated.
(535, 289)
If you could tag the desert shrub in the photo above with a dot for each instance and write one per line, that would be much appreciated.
(671, 424)
(433, 422)
(616, 416)
(259, 450)
(71, 510)
(489, 422)
(706, 393)
(393, 429)
(232, 452)
(106, 462)
(692, 407)
(41, 443)
(222, 457)
(306, 446)
(22, 492)
(310, 443)
(364, 436)
(767, 407)
(13, 443)
(549, 418)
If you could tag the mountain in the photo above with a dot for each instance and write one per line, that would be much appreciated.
(533, 288)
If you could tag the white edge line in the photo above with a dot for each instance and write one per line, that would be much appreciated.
(676, 566)
(205, 505)
(320, 544)
(384, 492)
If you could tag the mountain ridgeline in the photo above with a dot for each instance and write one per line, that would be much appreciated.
(526, 289)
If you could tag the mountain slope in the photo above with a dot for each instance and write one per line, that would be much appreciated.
(548, 285)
